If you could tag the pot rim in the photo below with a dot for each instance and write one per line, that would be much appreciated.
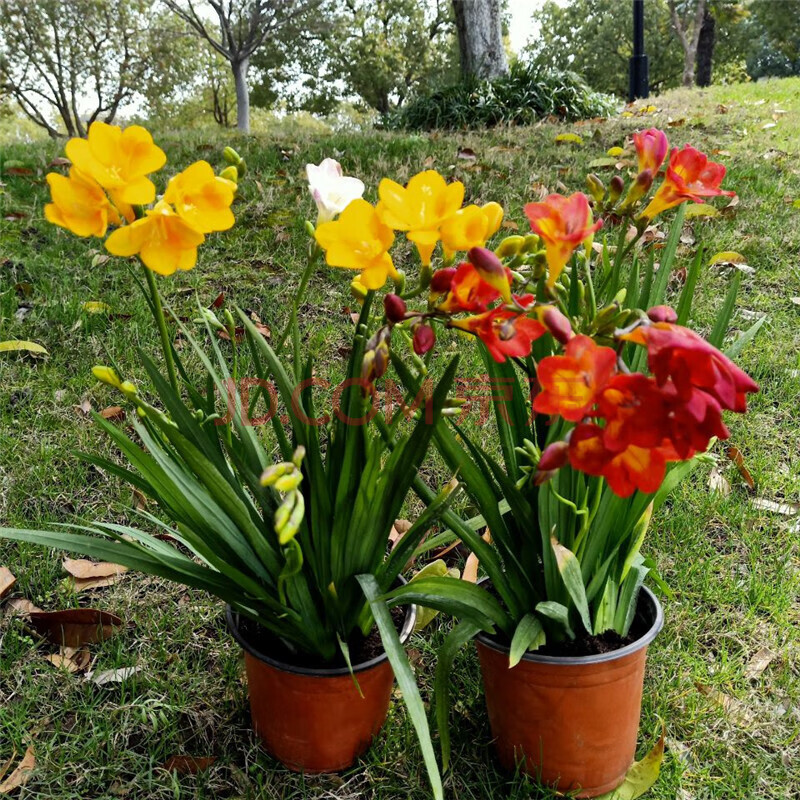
(232, 618)
(597, 658)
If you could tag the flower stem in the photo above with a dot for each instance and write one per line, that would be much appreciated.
(158, 313)
(313, 254)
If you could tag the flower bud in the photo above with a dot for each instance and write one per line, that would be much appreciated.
(615, 189)
(662, 314)
(639, 188)
(241, 167)
(491, 269)
(596, 188)
(558, 325)
(424, 339)
(358, 290)
(230, 174)
(532, 243)
(108, 376)
(394, 307)
(441, 280)
(231, 156)
(510, 246)
(554, 456)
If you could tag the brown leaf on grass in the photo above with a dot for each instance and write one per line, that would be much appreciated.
(113, 413)
(239, 331)
(139, 501)
(735, 455)
(188, 765)
(466, 154)
(18, 171)
(758, 663)
(218, 301)
(784, 508)
(736, 711)
(676, 123)
(112, 675)
(71, 659)
(19, 777)
(14, 216)
(429, 162)
(470, 572)
(20, 607)
(717, 482)
(83, 568)
(7, 581)
(84, 408)
(398, 531)
(509, 225)
(75, 627)
(4, 768)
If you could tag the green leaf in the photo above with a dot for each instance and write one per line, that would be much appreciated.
(436, 569)
(558, 613)
(529, 635)
(687, 292)
(405, 678)
(570, 571)
(744, 339)
(641, 776)
(723, 320)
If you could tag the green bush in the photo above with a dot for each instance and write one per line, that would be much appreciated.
(526, 94)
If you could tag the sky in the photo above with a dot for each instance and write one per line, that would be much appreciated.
(522, 28)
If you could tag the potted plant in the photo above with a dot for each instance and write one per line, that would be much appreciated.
(295, 545)
(604, 401)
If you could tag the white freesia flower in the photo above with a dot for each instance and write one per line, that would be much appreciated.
(332, 191)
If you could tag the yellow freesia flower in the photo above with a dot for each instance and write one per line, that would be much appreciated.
(79, 204)
(420, 208)
(470, 227)
(164, 241)
(119, 160)
(201, 198)
(358, 239)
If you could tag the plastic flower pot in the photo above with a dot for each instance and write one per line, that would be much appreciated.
(315, 720)
(572, 722)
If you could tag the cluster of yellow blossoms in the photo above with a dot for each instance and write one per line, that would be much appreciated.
(108, 184)
(428, 210)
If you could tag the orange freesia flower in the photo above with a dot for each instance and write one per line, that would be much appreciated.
(562, 223)
(690, 176)
(420, 208)
(468, 291)
(651, 148)
(119, 160)
(470, 227)
(358, 239)
(506, 334)
(571, 383)
(164, 241)
(202, 198)
(79, 205)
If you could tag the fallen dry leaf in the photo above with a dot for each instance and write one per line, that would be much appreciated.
(7, 581)
(734, 709)
(84, 408)
(467, 154)
(717, 482)
(470, 572)
(735, 455)
(758, 663)
(71, 659)
(188, 765)
(19, 777)
(87, 584)
(20, 607)
(112, 675)
(787, 509)
(83, 568)
(398, 531)
(139, 500)
(75, 627)
(113, 413)
(60, 161)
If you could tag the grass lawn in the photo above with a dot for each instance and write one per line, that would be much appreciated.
(731, 559)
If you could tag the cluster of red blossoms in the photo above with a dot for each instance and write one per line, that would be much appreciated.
(629, 426)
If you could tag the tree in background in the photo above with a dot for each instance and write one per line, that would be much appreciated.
(67, 63)
(687, 19)
(775, 38)
(242, 28)
(479, 24)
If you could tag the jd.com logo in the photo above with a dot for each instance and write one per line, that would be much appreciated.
(476, 396)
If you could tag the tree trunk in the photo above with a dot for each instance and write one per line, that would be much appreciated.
(480, 38)
(242, 94)
(705, 49)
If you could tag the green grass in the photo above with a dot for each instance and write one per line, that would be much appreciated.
(733, 567)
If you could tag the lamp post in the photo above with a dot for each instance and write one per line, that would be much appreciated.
(639, 79)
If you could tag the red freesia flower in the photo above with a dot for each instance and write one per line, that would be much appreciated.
(679, 354)
(468, 291)
(570, 383)
(506, 334)
(442, 280)
(635, 412)
(692, 422)
(562, 223)
(651, 148)
(690, 176)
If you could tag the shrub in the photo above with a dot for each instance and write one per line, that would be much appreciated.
(526, 94)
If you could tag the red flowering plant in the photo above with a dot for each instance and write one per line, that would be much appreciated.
(604, 401)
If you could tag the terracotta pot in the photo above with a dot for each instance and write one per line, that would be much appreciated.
(315, 720)
(571, 722)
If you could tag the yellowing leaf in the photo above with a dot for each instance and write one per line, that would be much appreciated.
(569, 138)
(19, 777)
(436, 569)
(726, 257)
(603, 162)
(641, 776)
(22, 346)
(701, 210)
(96, 307)
(616, 152)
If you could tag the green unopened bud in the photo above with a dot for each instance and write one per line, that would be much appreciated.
(358, 290)
(208, 316)
(289, 482)
(510, 246)
(309, 228)
(532, 244)
(230, 174)
(241, 167)
(108, 376)
(619, 297)
(298, 456)
(451, 412)
(400, 282)
(284, 511)
(273, 472)
(231, 156)
(128, 388)
(596, 188)
(288, 530)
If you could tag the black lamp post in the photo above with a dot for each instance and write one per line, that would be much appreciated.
(639, 79)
